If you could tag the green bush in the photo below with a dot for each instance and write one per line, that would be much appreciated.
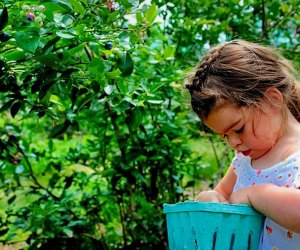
(96, 133)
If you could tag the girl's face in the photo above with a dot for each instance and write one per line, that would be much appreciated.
(250, 132)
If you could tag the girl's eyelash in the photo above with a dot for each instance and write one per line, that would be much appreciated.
(240, 130)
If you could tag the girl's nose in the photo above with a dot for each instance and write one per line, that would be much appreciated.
(234, 141)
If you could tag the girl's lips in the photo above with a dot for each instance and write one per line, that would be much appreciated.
(246, 152)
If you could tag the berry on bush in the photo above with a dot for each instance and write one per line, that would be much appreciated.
(108, 45)
(26, 8)
(39, 21)
(11, 78)
(110, 6)
(4, 37)
(30, 16)
(42, 8)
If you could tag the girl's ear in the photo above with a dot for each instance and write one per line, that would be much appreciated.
(273, 98)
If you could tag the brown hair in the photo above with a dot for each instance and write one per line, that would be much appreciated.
(241, 72)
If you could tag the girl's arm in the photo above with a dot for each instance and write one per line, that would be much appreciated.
(225, 186)
(222, 191)
(281, 204)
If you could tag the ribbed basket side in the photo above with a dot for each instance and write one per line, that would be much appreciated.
(213, 231)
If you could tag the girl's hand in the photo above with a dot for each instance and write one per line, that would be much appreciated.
(241, 196)
(210, 196)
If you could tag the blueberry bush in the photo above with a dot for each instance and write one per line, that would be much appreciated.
(96, 131)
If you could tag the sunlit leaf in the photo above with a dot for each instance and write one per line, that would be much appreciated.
(96, 68)
(151, 13)
(28, 40)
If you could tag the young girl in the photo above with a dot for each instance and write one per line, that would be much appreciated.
(247, 94)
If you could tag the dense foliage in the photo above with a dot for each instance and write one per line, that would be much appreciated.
(96, 132)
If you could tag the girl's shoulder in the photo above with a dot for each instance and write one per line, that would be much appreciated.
(293, 156)
(292, 152)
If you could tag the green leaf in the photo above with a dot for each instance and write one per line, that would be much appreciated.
(169, 52)
(74, 50)
(151, 13)
(135, 119)
(77, 6)
(125, 64)
(3, 18)
(28, 40)
(109, 89)
(284, 7)
(15, 108)
(64, 34)
(14, 55)
(155, 101)
(50, 43)
(113, 74)
(139, 17)
(64, 4)
(56, 8)
(96, 68)
(49, 60)
(84, 102)
(156, 86)
(68, 232)
(122, 87)
(126, 3)
(80, 28)
(60, 129)
(45, 89)
(6, 105)
(95, 86)
(11, 199)
(74, 94)
(70, 115)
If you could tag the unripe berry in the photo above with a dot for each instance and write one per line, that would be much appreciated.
(38, 20)
(42, 15)
(26, 8)
(30, 17)
(40, 24)
(42, 8)
(117, 52)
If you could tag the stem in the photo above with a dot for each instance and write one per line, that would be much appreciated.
(117, 131)
(280, 21)
(215, 152)
(264, 20)
(88, 53)
(122, 222)
(31, 173)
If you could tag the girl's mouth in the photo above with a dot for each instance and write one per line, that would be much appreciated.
(246, 152)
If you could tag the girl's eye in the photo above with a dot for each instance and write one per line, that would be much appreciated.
(239, 131)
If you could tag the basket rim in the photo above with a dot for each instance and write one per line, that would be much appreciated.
(213, 207)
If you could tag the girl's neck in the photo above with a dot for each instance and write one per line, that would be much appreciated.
(287, 144)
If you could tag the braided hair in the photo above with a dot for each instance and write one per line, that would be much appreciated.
(240, 72)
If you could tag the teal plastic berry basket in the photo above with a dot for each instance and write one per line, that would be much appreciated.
(212, 226)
